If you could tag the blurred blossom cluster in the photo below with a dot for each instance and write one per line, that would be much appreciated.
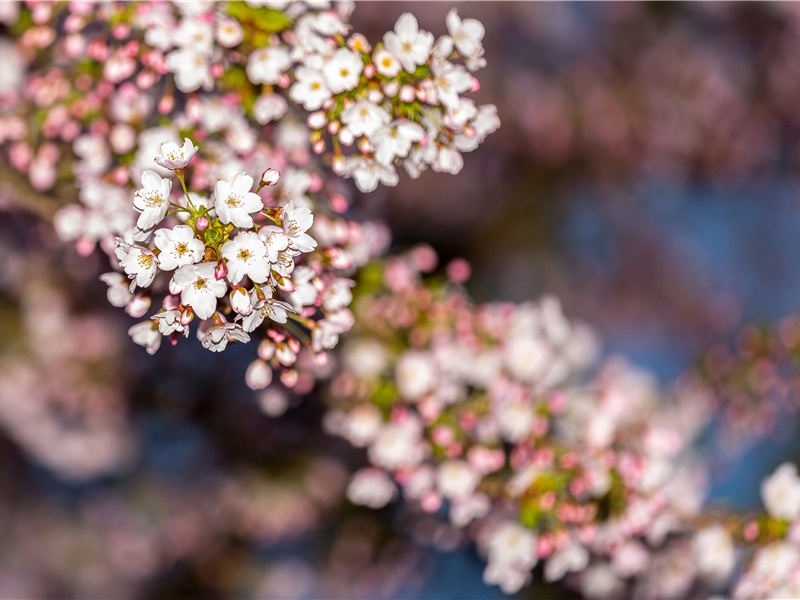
(193, 157)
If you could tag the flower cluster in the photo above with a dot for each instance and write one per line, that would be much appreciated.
(230, 261)
(487, 411)
(397, 103)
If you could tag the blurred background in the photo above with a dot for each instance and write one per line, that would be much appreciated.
(646, 173)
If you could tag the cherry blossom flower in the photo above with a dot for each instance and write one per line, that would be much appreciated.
(780, 493)
(371, 487)
(395, 140)
(217, 337)
(246, 255)
(342, 71)
(139, 263)
(385, 63)
(152, 201)
(191, 70)
(178, 247)
(146, 334)
(266, 65)
(714, 553)
(234, 201)
(466, 34)
(174, 156)
(407, 43)
(199, 288)
(310, 89)
(270, 107)
(365, 118)
(229, 33)
(296, 222)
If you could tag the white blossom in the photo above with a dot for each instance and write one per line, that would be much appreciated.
(395, 140)
(466, 34)
(415, 374)
(152, 201)
(780, 493)
(217, 337)
(199, 288)
(234, 201)
(229, 33)
(246, 254)
(145, 334)
(296, 221)
(140, 264)
(191, 70)
(570, 558)
(266, 65)
(310, 88)
(385, 63)
(342, 71)
(456, 479)
(714, 553)
(407, 43)
(268, 108)
(178, 247)
(368, 173)
(365, 118)
(174, 156)
(169, 321)
(371, 487)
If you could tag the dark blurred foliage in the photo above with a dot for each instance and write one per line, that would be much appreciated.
(645, 172)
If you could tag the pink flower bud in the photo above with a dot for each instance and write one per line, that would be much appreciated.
(202, 223)
(217, 70)
(375, 96)
(338, 203)
(289, 378)
(285, 284)
(240, 301)
(317, 120)
(166, 104)
(270, 177)
(407, 93)
(171, 302)
(369, 71)
(259, 375)
(221, 270)
(346, 137)
(187, 315)
(145, 80)
(391, 88)
(266, 350)
(138, 306)
(120, 31)
(458, 271)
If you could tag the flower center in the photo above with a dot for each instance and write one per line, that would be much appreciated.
(244, 254)
(200, 283)
(234, 201)
(182, 248)
(153, 199)
(145, 261)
